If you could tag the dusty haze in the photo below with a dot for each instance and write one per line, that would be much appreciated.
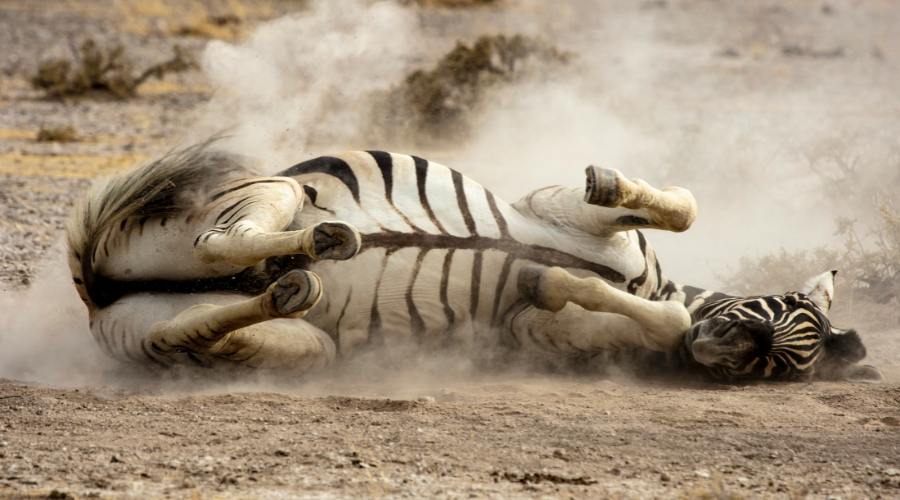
(740, 107)
(743, 107)
(779, 116)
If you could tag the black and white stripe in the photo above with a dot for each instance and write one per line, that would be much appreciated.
(438, 245)
(798, 328)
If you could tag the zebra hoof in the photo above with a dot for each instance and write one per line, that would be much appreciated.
(602, 187)
(336, 241)
(295, 292)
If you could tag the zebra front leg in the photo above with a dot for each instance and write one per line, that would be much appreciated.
(671, 208)
(206, 329)
(663, 322)
(610, 203)
(574, 330)
(249, 219)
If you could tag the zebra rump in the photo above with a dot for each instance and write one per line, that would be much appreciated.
(177, 183)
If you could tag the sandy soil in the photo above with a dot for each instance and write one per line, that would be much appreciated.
(387, 433)
(498, 436)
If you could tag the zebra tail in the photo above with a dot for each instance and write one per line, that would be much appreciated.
(177, 183)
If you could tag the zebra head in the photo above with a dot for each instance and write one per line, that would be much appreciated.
(776, 337)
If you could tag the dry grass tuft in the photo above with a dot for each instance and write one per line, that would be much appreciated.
(434, 104)
(57, 133)
(104, 69)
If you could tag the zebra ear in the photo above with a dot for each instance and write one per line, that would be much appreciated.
(820, 290)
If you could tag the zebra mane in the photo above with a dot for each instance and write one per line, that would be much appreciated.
(165, 187)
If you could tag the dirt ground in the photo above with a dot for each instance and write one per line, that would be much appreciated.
(394, 431)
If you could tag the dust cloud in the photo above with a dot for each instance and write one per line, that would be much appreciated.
(759, 115)
(777, 120)
(46, 337)
(305, 78)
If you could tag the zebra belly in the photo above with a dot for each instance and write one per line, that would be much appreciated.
(432, 295)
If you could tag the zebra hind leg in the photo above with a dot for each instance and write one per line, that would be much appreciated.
(250, 222)
(206, 329)
(662, 322)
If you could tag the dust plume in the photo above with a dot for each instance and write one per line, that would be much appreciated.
(46, 338)
(779, 121)
(759, 121)
(774, 118)
(305, 78)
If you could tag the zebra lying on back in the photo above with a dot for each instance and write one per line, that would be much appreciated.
(196, 259)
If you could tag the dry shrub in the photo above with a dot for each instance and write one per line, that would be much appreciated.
(104, 69)
(57, 133)
(434, 104)
(870, 266)
(452, 4)
(225, 27)
(780, 271)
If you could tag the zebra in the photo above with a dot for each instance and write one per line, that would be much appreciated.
(198, 259)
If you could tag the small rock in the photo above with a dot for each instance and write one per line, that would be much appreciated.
(729, 52)
(560, 455)
(3, 444)
(425, 399)
(360, 464)
(702, 473)
(282, 453)
(892, 421)
(665, 477)
(229, 480)
(115, 460)
(59, 495)
(891, 472)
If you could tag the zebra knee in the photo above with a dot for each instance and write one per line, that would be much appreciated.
(668, 326)
(536, 285)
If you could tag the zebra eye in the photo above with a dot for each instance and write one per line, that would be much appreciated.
(790, 300)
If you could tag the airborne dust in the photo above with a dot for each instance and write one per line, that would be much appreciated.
(778, 121)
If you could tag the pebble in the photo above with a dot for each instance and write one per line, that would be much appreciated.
(891, 472)
(282, 453)
(702, 473)
(665, 477)
(425, 399)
